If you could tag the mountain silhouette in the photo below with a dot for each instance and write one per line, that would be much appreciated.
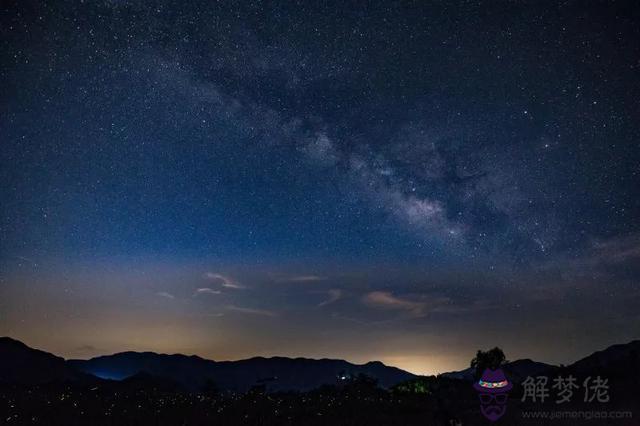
(517, 370)
(621, 361)
(617, 360)
(276, 374)
(25, 365)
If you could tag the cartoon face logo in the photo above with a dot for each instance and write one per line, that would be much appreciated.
(493, 390)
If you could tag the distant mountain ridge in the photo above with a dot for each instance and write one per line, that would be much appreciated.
(277, 373)
(21, 364)
(517, 370)
(616, 360)
(24, 365)
(621, 360)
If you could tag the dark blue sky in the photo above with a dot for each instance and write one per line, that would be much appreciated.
(422, 170)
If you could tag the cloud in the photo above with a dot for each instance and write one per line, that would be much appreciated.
(165, 295)
(304, 278)
(252, 311)
(612, 257)
(206, 290)
(617, 250)
(387, 301)
(365, 322)
(419, 306)
(213, 314)
(225, 281)
(334, 295)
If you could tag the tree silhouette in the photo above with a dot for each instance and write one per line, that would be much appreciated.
(493, 358)
(362, 384)
(420, 385)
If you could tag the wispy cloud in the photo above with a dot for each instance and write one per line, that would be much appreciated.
(27, 259)
(334, 294)
(416, 307)
(232, 285)
(225, 281)
(165, 295)
(617, 250)
(252, 311)
(603, 258)
(360, 321)
(206, 290)
(420, 305)
(385, 300)
(304, 278)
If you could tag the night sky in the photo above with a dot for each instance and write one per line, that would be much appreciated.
(404, 182)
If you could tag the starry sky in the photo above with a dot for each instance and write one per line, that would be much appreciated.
(398, 181)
